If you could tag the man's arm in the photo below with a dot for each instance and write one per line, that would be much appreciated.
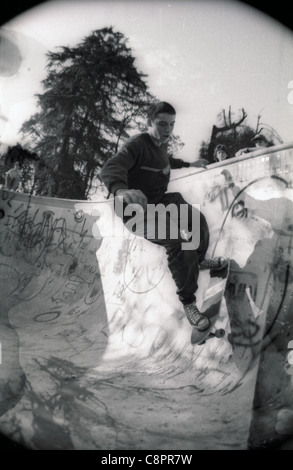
(176, 163)
(244, 150)
(114, 174)
(200, 163)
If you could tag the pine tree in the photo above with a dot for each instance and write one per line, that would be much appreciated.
(93, 97)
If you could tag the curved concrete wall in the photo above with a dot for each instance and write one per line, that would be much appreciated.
(95, 347)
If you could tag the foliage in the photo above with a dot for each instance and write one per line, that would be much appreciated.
(27, 161)
(233, 131)
(93, 97)
(175, 145)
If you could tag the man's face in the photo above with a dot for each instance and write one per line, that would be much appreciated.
(221, 155)
(161, 127)
(261, 143)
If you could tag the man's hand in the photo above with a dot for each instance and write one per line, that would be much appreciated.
(201, 163)
(132, 196)
(245, 150)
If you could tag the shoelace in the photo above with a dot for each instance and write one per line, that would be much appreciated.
(213, 263)
(193, 314)
(194, 317)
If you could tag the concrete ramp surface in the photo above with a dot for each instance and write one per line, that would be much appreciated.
(95, 346)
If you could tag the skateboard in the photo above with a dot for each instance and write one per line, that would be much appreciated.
(211, 305)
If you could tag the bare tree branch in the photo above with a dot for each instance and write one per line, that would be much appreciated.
(226, 127)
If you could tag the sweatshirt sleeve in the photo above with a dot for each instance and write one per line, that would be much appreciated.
(114, 173)
(176, 163)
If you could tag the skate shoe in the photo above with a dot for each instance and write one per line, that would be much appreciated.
(195, 318)
(216, 263)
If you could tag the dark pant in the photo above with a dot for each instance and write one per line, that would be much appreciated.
(183, 263)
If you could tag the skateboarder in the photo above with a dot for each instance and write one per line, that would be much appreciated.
(139, 174)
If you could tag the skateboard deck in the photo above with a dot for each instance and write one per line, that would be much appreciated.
(211, 305)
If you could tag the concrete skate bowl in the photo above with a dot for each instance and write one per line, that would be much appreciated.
(95, 346)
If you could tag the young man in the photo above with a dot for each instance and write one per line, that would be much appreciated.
(259, 140)
(220, 153)
(139, 175)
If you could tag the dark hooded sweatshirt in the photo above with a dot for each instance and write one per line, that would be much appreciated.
(141, 164)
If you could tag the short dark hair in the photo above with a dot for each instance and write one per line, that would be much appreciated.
(157, 108)
(220, 147)
(217, 148)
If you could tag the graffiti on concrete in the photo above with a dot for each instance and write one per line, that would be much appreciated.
(45, 241)
(84, 300)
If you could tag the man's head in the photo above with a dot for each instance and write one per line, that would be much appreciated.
(220, 153)
(161, 120)
(260, 140)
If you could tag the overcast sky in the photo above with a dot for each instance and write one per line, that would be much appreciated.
(201, 56)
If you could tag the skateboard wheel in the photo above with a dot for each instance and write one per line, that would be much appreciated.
(220, 333)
